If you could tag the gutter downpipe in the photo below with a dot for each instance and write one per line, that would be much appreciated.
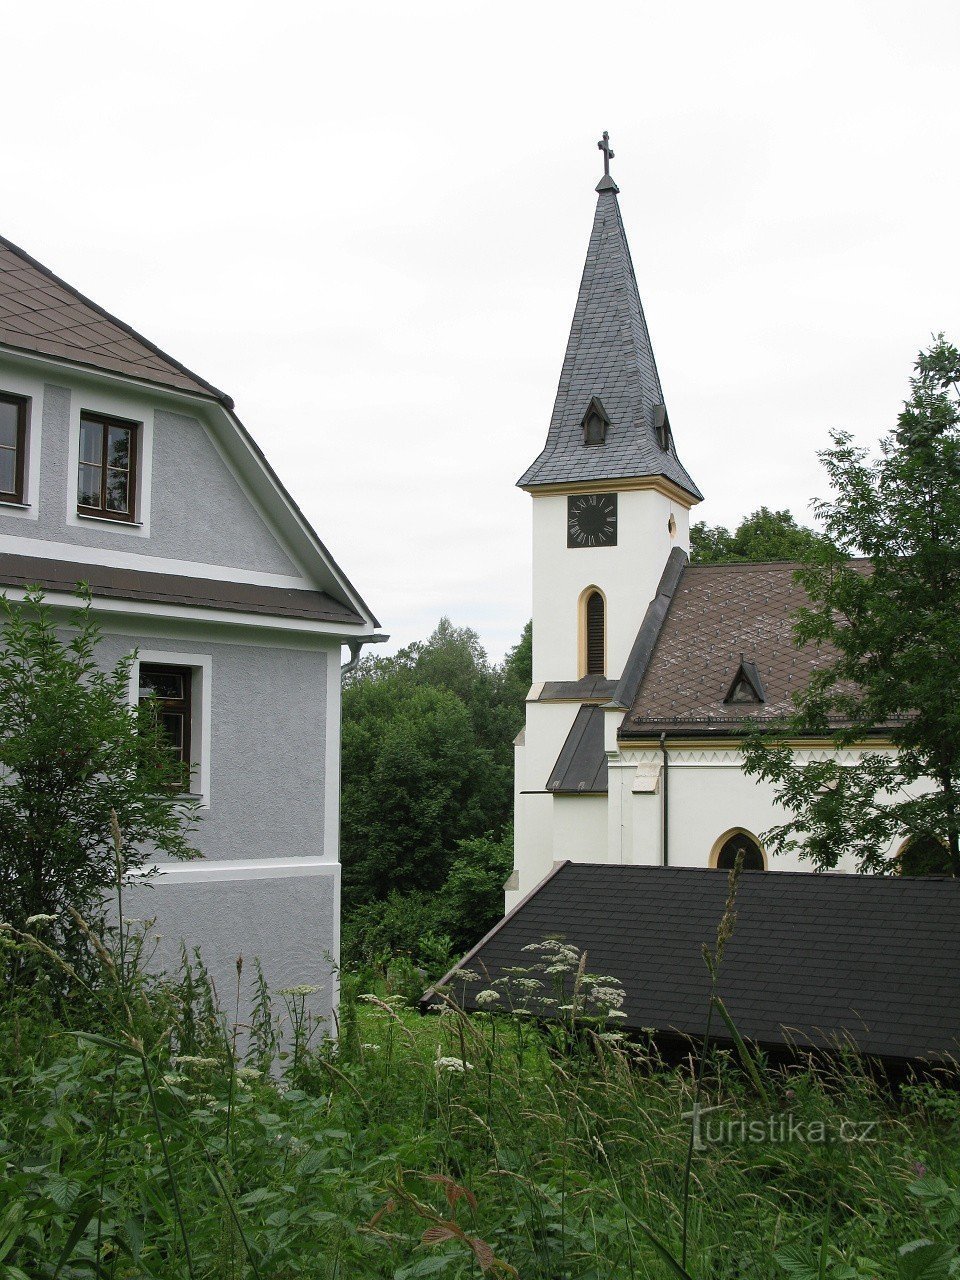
(665, 805)
(356, 647)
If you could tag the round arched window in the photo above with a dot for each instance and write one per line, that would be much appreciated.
(740, 842)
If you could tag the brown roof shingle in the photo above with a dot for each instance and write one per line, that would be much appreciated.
(718, 613)
(39, 312)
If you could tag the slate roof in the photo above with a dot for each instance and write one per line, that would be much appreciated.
(41, 313)
(609, 355)
(716, 615)
(582, 763)
(814, 959)
(174, 589)
(598, 688)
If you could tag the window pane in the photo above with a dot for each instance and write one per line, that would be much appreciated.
(88, 490)
(91, 442)
(8, 470)
(171, 722)
(162, 684)
(9, 414)
(118, 489)
(118, 446)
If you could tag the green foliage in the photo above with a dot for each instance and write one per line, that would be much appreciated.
(895, 633)
(144, 1143)
(427, 760)
(765, 535)
(429, 928)
(74, 753)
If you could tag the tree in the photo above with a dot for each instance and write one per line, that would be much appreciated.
(894, 628)
(74, 753)
(427, 759)
(765, 535)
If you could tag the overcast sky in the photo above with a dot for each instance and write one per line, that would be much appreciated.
(367, 223)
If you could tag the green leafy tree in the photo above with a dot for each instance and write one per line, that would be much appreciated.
(427, 759)
(765, 535)
(894, 629)
(74, 752)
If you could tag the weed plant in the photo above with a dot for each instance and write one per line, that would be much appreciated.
(146, 1139)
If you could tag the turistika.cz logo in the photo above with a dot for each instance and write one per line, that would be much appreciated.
(712, 1130)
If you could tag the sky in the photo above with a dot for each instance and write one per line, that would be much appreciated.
(367, 222)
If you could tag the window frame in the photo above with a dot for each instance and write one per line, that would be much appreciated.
(15, 495)
(105, 421)
(200, 666)
(731, 834)
(182, 706)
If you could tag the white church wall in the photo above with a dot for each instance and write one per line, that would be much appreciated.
(627, 574)
(580, 828)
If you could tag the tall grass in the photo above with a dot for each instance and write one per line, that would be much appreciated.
(147, 1141)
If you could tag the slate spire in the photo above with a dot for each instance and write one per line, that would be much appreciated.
(609, 356)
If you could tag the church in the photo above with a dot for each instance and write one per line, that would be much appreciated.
(645, 666)
(629, 789)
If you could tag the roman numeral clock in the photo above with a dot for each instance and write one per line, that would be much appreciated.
(592, 520)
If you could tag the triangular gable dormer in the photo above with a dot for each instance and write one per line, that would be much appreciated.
(661, 425)
(746, 686)
(595, 422)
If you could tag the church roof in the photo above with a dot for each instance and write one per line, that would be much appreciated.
(581, 767)
(609, 357)
(814, 960)
(717, 618)
(43, 314)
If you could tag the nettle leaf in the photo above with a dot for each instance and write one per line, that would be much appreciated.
(925, 1260)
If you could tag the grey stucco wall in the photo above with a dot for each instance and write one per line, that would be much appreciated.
(288, 923)
(268, 743)
(199, 512)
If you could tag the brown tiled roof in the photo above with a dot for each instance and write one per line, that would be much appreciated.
(718, 613)
(39, 312)
(174, 589)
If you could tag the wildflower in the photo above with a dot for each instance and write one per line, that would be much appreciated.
(487, 997)
(303, 990)
(248, 1073)
(40, 919)
(453, 1064)
(372, 1047)
(465, 975)
(612, 997)
(919, 1169)
(186, 1060)
(790, 1095)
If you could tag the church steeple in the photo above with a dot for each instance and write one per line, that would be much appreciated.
(609, 358)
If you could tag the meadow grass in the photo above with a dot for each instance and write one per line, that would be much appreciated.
(141, 1140)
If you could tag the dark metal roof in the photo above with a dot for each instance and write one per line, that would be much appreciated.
(647, 636)
(814, 959)
(173, 589)
(39, 312)
(588, 688)
(609, 355)
(582, 763)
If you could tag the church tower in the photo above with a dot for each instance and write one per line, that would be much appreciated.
(611, 501)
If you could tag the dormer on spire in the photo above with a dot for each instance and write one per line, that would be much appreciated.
(609, 357)
(595, 422)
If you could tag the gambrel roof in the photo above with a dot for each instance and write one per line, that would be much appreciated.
(815, 961)
(44, 316)
(609, 355)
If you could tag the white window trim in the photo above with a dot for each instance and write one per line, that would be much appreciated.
(201, 697)
(32, 390)
(86, 400)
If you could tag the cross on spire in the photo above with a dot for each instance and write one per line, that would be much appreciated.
(608, 154)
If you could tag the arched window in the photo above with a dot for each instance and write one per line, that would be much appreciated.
(595, 637)
(725, 856)
(924, 856)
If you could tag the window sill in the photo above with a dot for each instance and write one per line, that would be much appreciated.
(114, 524)
(17, 506)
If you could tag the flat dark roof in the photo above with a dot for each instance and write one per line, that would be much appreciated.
(814, 959)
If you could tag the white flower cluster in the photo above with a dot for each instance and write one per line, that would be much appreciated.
(456, 1065)
(488, 997)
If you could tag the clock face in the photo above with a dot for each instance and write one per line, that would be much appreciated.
(592, 520)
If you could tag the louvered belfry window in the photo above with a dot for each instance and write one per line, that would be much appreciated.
(595, 636)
